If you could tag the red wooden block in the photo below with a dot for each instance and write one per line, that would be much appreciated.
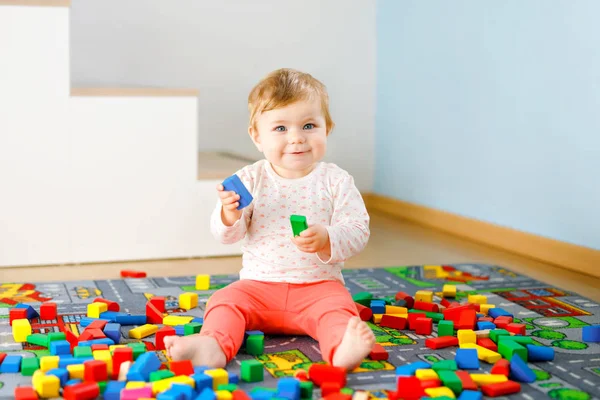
(99, 347)
(81, 391)
(378, 353)
(392, 321)
(485, 319)
(501, 388)
(159, 343)
(424, 326)
(424, 306)
(412, 319)
(159, 302)
(467, 381)
(430, 383)
(453, 313)
(501, 367)
(85, 336)
(410, 301)
(487, 343)
(128, 273)
(319, 373)
(16, 313)
(517, 329)
(466, 320)
(25, 393)
(508, 319)
(301, 375)
(95, 371)
(240, 395)
(71, 338)
(8, 301)
(338, 396)
(153, 315)
(48, 311)
(475, 306)
(328, 388)
(441, 342)
(445, 302)
(94, 333)
(120, 355)
(112, 305)
(97, 324)
(365, 313)
(183, 367)
(2, 357)
(410, 387)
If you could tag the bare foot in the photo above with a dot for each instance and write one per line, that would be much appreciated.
(356, 344)
(201, 350)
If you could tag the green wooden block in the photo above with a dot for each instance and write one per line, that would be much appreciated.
(347, 391)
(251, 371)
(446, 328)
(230, 387)
(298, 224)
(507, 348)
(54, 336)
(29, 365)
(138, 349)
(306, 390)
(519, 339)
(38, 339)
(161, 374)
(263, 389)
(363, 298)
(82, 352)
(451, 380)
(435, 316)
(255, 345)
(495, 333)
(449, 365)
(102, 386)
(191, 328)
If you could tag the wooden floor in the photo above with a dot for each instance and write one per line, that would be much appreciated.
(393, 243)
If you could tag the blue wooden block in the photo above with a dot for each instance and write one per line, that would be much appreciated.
(198, 320)
(65, 360)
(498, 312)
(180, 330)
(113, 332)
(111, 316)
(73, 382)
(31, 313)
(234, 183)
(260, 395)
(520, 371)
(186, 392)
(60, 347)
(540, 353)
(11, 363)
(202, 381)
(483, 325)
(113, 390)
(171, 394)
(233, 378)
(85, 321)
(288, 388)
(377, 306)
(61, 373)
(409, 369)
(130, 319)
(96, 341)
(141, 368)
(591, 334)
(470, 395)
(467, 359)
(207, 394)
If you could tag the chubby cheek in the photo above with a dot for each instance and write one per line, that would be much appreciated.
(318, 147)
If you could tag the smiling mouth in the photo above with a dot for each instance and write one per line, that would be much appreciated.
(298, 152)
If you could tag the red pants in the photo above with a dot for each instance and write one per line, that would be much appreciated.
(320, 310)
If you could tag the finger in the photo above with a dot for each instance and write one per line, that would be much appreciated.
(308, 233)
(220, 187)
(231, 207)
(229, 195)
(303, 241)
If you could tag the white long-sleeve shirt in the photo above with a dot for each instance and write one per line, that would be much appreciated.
(326, 196)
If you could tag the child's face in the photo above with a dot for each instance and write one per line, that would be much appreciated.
(292, 138)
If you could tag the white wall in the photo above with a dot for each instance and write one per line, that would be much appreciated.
(224, 47)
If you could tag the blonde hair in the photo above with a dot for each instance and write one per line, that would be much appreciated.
(284, 87)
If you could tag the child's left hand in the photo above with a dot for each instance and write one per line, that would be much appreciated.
(312, 240)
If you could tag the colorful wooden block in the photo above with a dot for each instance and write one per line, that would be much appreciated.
(143, 331)
(189, 300)
(48, 311)
(449, 291)
(95, 309)
(21, 328)
(424, 295)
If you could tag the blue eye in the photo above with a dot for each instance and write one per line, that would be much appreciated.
(280, 128)
(309, 126)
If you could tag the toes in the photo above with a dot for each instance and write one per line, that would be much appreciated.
(354, 322)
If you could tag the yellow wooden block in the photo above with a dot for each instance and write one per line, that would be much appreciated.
(202, 282)
(449, 290)
(466, 336)
(165, 384)
(440, 392)
(106, 356)
(477, 299)
(174, 320)
(377, 318)
(395, 310)
(484, 308)
(95, 309)
(484, 379)
(188, 300)
(136, 384)
(113, 347)
(223, 395)
(484, 354)
(219, 375)
(21, 328)
(426, 374)
(46, 385)
(424, 295)
(48, 362)
(432, 267)
(143, 331)
(76, 371)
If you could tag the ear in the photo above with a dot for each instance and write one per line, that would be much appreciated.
(255, 137)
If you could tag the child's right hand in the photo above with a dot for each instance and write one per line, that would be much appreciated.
(230, 200)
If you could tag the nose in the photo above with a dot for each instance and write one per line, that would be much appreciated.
(296, 136)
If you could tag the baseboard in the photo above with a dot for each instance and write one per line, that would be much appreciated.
(562, 254)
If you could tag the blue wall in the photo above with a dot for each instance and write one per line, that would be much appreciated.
(491, 110)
